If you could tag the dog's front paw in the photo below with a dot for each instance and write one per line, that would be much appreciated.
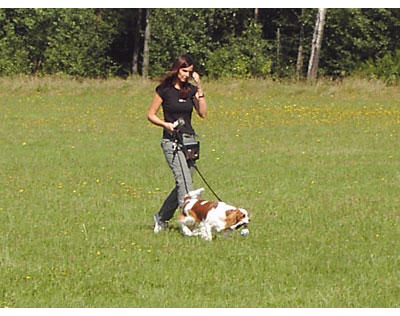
(206, 236)
(186, 231)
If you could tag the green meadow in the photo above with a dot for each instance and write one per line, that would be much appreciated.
(82, 172)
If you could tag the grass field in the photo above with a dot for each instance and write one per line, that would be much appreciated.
(82, 173)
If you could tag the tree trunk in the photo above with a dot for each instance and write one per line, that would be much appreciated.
(98, 14)
(146, 57)
(135, 54)
(256, 11)
(278, 51)
(299, 64)
(316, 45)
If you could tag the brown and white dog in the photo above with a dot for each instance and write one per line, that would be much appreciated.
(201, 218)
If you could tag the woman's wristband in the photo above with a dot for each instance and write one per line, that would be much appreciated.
(201, 96)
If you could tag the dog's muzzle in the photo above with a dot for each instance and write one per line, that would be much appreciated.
(240, 225)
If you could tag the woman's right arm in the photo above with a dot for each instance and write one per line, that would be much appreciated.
(152, 114)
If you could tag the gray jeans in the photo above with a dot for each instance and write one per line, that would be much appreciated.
(183, 173)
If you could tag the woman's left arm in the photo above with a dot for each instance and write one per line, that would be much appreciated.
(199, 99)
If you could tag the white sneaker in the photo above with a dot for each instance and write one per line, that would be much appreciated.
(159, 225)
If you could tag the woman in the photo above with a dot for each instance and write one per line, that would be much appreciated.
(178, 98)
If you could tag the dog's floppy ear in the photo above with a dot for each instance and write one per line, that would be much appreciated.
(239, 215)
(233, 217)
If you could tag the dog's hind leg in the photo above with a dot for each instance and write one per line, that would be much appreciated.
(205, 231)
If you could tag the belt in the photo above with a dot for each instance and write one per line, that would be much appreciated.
(172, 136)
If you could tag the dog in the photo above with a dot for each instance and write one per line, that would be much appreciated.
(202, 218)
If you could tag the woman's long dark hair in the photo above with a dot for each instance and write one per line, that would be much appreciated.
(171, 77)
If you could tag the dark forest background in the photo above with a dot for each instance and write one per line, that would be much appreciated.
(239, 43)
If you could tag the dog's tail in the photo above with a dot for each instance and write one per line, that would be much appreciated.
(195, 194)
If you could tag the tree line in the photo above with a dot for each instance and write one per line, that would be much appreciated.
(238, 43)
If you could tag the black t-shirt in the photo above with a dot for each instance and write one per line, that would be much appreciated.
(174, 107)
